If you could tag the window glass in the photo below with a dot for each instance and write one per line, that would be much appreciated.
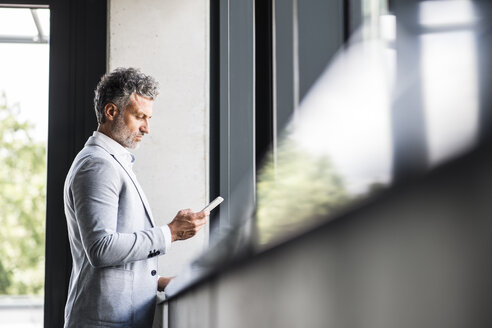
(23, 138)
(402, 92)
(337, 147)
(448, 29)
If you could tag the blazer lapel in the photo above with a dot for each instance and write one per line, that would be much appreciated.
(139, 190)
(96, 142)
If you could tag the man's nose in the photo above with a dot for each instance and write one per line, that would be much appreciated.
(145, 128)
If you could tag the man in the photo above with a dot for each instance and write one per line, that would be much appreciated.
(113, 237)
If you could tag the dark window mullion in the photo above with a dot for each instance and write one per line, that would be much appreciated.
(264, 79)
(214, 106)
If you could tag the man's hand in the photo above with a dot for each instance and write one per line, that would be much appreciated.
(187, 223)
(162, 283)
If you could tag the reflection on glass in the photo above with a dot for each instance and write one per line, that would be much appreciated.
(372, 11)
(337, 149)
(449, 13)
(302, 186)
(339, 146)
(449, 78)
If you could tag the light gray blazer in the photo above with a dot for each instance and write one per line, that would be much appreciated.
(113, 241)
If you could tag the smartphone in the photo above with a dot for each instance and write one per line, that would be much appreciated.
(213, 204)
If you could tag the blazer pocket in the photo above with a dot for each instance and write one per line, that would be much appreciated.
(110, 296)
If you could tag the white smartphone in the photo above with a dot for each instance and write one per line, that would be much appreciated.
(213, 204)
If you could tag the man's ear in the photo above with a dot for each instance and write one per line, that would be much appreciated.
(110, 111)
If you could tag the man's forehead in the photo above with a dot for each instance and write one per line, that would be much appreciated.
(140, 103)
(140, 99)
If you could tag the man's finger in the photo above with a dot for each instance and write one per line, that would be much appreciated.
(199, 215)
(184, 212)
(201, 221)
(203, 214)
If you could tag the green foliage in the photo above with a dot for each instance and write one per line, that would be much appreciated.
(295, 192)
(22, 204)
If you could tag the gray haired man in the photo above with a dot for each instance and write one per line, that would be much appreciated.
(112, 233)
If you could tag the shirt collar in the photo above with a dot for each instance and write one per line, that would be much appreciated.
(115, 148)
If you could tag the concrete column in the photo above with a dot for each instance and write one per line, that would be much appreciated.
(170, 41)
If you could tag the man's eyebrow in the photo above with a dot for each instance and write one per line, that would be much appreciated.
(140, 113)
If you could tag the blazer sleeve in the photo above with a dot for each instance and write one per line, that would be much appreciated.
(95, 192)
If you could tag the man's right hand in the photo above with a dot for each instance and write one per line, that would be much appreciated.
(187, 223)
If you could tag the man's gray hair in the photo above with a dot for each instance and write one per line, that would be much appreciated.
(117, 87)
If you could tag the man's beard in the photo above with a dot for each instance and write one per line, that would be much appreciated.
(123, 135)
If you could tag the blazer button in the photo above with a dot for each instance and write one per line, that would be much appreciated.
(153, 272)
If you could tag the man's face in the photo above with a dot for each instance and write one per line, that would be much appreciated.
(133, 122)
